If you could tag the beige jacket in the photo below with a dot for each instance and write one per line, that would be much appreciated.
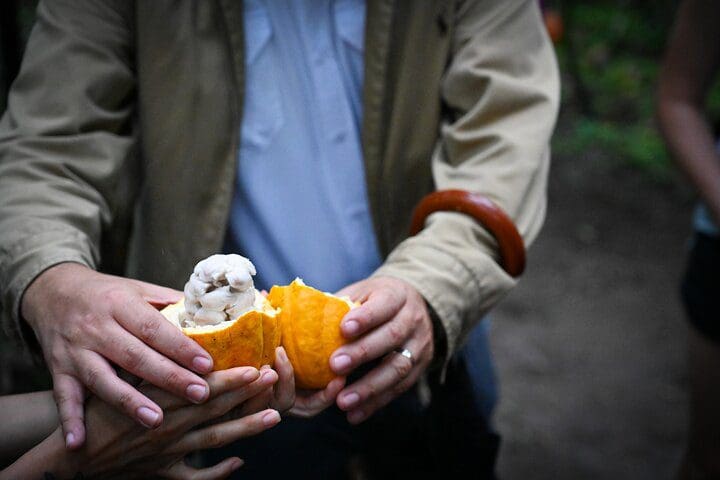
(119, 145)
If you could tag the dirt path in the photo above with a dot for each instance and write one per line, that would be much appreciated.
(590, 345)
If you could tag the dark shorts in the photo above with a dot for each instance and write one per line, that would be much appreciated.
(701, 286)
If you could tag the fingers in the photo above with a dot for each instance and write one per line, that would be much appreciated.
(193, 415)
(259, 391)
(138, 358)
(221, 434)
(388, 380)
(307, 406)
(69, 397)
(261, 399)
(182, 471)
(99, 377)
(379, 307)
(376, 343)
(152, 328)
(284, 391)
(223, 381)
(220, 382)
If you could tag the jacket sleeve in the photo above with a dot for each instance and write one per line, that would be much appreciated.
(65, 138)
(502, 93)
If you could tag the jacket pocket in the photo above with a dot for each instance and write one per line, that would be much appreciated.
(262, 106)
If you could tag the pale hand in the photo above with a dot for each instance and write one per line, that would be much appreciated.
(84, 320)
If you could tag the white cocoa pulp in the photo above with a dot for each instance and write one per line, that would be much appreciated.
(220, 289)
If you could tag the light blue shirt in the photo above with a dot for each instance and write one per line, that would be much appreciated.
(704, 222)
(300, 207)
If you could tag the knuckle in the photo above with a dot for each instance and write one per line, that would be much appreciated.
(92, 378)
(132, 359)
(370, 316)
(363, 353)
(149, 330)
(114, 296)
(211, 439)
(65, 403)
(125, 401)
(371, 390)
(396, 333)
(395, 298)
(74, 333)
(402, 366)
(391, 297)
(57, 355)
(285, 406)
(218, 408)
(172, 379)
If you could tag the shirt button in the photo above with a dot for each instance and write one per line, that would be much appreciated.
(339, 137)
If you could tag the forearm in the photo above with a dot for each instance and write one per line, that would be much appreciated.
(48, 457)
(64, 146)
(27, 419)
(692, 144)
(690, 65)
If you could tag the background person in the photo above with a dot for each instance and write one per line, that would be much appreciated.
(690, 66)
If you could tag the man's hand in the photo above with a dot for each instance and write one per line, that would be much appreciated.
(393, 317)
(84, 320)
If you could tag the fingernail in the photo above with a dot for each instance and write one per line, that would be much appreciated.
(356, 416)
(341, 362)
(70, 440)
(237, 463)
(196, 393)
(280, 352)
(351, 327)
(271, 418)
(250, 375)
(148, 417)
(202, 364)
(350, 399)
(268, 376)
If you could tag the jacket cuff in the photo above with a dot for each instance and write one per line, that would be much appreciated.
(23, 261)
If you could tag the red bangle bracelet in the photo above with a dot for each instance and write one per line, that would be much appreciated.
(486, 213)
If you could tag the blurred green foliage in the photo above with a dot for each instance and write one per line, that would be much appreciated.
(609, 57)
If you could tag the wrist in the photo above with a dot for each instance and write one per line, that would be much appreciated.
(439, 341)
(58, 460)
(36, 293)
(48, 457)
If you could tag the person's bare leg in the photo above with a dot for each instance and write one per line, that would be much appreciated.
(702, 458)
